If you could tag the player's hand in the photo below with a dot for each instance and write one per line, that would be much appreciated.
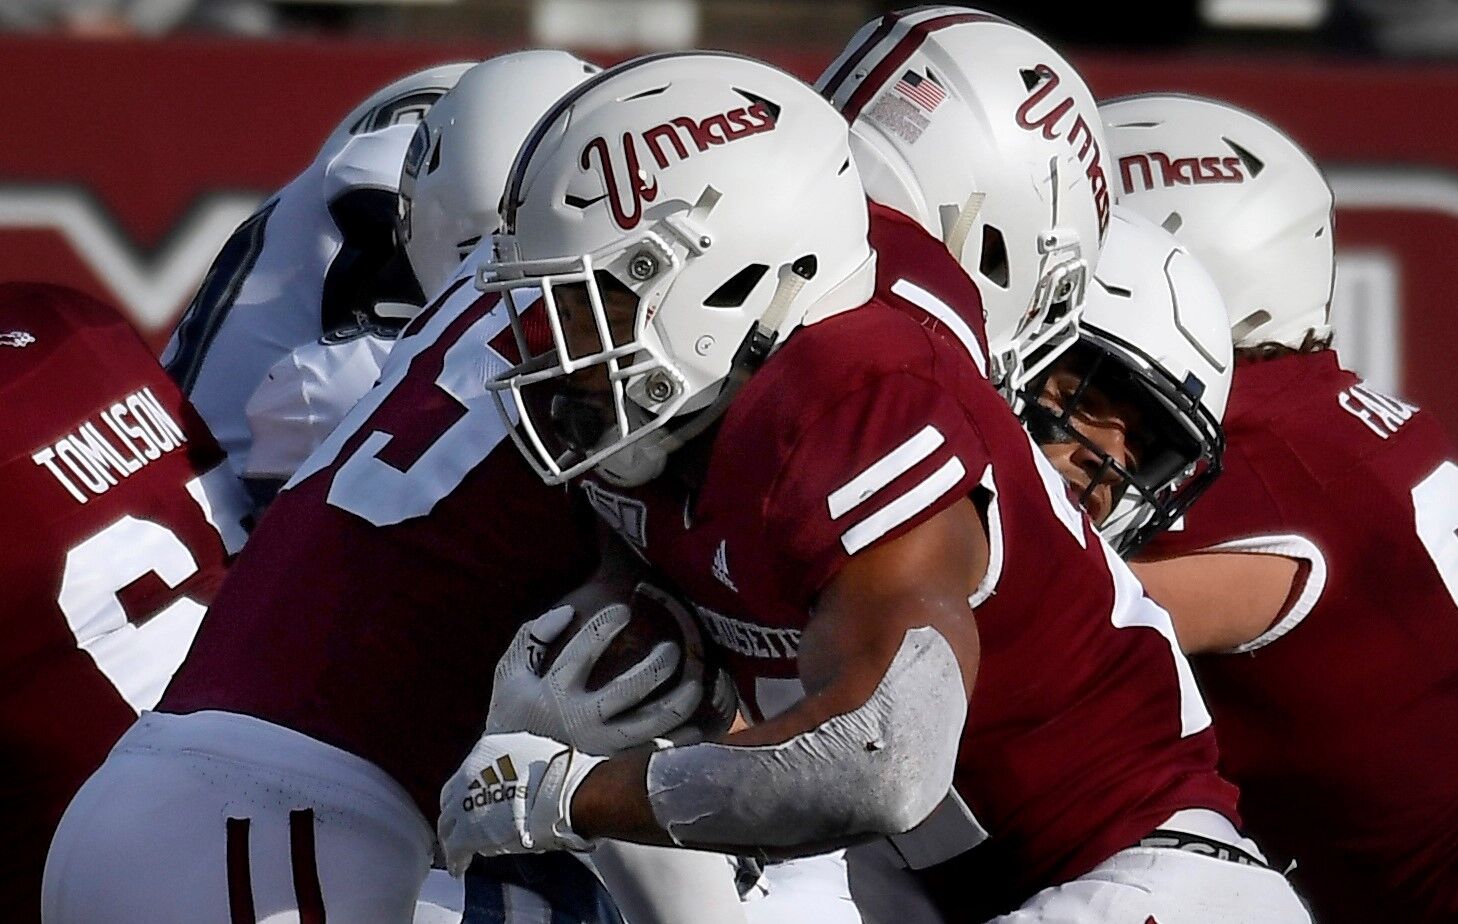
(557, 703)
(512, 794)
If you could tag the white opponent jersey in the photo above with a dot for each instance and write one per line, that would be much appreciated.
(299, 267)
(305, 395)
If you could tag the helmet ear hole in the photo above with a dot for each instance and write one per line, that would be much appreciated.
(737, 287)
(993, 263)
(1172, 222)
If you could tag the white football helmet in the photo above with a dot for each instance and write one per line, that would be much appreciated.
(713, 195)
(1154, 334)
(403, 102)
(981, 132)
(1243, 197)
(451, 181)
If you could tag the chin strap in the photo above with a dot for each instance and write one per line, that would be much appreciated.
(956, 235)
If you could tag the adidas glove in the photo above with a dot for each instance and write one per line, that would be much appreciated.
(511, 795)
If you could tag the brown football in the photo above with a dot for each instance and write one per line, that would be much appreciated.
(655, 617)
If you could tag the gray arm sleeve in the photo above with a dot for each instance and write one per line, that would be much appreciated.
(879, 769)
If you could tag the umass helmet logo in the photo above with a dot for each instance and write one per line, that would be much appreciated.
(1043, 112)
(628, 186)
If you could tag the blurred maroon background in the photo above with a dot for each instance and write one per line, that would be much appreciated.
(125, 164)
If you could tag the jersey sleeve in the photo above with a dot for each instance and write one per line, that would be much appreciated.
(1243, 513)
(877, 463)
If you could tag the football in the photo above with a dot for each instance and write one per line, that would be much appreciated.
(656, 616)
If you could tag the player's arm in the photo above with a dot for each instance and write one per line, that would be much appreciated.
(1221, 600)
(887, 661)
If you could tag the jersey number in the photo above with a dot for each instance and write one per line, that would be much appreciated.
(385, 482)
(140, 657)
(1435, 508)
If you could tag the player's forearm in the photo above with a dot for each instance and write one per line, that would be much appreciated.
(878, 768)
(1221, 600)
(612, 802)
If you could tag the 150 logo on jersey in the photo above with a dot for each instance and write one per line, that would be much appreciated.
(628, 185)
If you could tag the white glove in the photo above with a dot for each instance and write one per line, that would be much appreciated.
(512, 794)
(559, 705)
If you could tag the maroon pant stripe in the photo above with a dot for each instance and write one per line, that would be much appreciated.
(240, 879)
(307, 893)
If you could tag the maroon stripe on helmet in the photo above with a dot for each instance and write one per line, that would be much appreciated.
(889, 65)
(240, 878)
(307, 893)
(888, 22)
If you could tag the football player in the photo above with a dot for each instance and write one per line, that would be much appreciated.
(330, 695)
(323, 253)
(1318, 579)
(1130, 415)
(447, 203)
(445, 207)
(317, 255)
(798, 430)
(338, 699)
(117, 521)
(968, 125)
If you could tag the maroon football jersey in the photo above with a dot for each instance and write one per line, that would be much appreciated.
(1084, 731)
(1340, 724)
(373, 599)
(112, 528)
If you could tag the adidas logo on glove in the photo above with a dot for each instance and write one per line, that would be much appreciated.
(490, 787)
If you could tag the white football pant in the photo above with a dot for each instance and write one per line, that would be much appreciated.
(220, 818)
(807, 889)
(1163, 885)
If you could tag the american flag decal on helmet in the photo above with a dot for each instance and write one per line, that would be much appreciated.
(923, 91)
